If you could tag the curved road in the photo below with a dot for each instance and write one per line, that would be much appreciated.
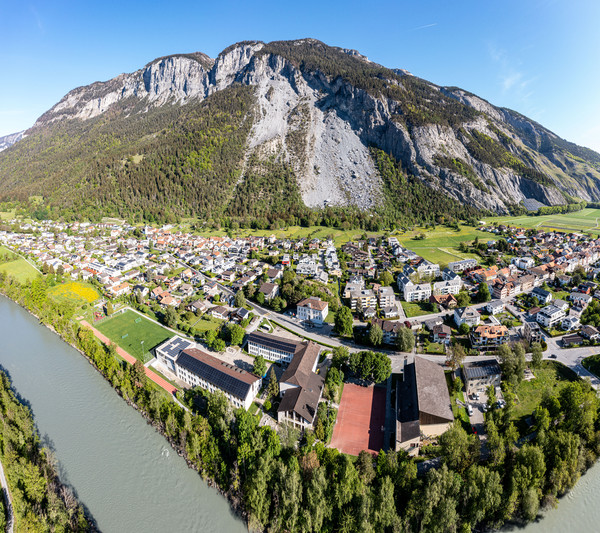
(8, 501)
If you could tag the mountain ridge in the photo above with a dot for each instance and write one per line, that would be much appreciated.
(318, 111)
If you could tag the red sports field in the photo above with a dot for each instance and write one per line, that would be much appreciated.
(360, 420)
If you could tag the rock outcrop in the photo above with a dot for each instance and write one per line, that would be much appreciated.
(320, 109)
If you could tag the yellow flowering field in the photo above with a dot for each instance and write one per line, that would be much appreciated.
(74, 291)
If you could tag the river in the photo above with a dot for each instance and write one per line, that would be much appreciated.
(123, 471)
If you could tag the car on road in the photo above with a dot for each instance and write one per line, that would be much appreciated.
(553, 356)
(469, 409)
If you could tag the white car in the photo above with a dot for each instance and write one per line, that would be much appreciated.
(469, 409)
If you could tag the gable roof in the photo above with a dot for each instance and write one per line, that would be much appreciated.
(300, 369)
(432, 391)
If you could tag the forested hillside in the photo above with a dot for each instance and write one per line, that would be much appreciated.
(286, 132)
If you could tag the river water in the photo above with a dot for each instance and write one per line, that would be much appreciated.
(124, 472)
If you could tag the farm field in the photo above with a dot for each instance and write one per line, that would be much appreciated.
(74, 292)
(126, 325)
(579, 221)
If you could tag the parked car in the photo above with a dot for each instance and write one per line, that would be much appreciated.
(469, 409)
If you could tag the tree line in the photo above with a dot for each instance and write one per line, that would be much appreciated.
(280, 485)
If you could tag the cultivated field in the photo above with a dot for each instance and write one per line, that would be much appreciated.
(74, 292)
(129, 329)
(586, 220)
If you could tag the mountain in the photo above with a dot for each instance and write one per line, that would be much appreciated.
(266, 130)
(9, 140)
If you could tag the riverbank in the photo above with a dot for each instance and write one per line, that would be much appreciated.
(287, 484)
(158, 425)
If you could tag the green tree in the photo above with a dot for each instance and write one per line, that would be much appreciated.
(219, 345)
(170, 317)
(260, 367)
(240, 299)
(375, 335)
(463, 299)
(483, 293)
(459, 450)
(536, 355)
(273, 387)
(386, 279)
(457, 355)
(109, 308)
(344, 322)
(236, 334)
(405, 340)
(464, 328)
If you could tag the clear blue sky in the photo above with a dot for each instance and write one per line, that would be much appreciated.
(539, 57)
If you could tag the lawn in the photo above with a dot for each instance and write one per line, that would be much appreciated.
(580, 221)
(135, 329)
(75, 292)
(435, 348)
(19, 269)
(441, 243)
(206, 324)
(460, 413)
(592, 363)
(551, 377)
(412, 309)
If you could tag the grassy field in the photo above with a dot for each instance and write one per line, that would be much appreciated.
(74, 292)
(151, 334)
(551, 377)
(413, 309)
(580, 221)
(19, 269)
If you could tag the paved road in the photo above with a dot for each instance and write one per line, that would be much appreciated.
(571, 357)
(10, 518)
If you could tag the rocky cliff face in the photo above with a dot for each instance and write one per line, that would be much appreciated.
(8, 140)
(320, 108)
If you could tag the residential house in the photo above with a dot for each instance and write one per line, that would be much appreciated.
(313, 309)
(270, 290)
(480, 375)
(466, 315)
(495, 307)
(489, 336)
(532, 332)
(219, 312)
(447, 301)
(590, 333)
(569, 323)
(447, 287)
(390, 311)
(544, 297)
(442, 334)
(550, 316)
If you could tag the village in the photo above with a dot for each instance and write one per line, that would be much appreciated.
(283, 327)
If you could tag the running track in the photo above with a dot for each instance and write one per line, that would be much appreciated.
(131, 360)
(360, 420)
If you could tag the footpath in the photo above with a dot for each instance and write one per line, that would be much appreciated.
(8, 501)
(131, 360)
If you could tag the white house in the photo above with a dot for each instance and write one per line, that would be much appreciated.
(417, 293)
(447, 287)
(466, 315)
(313, 309)
(550, 316)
